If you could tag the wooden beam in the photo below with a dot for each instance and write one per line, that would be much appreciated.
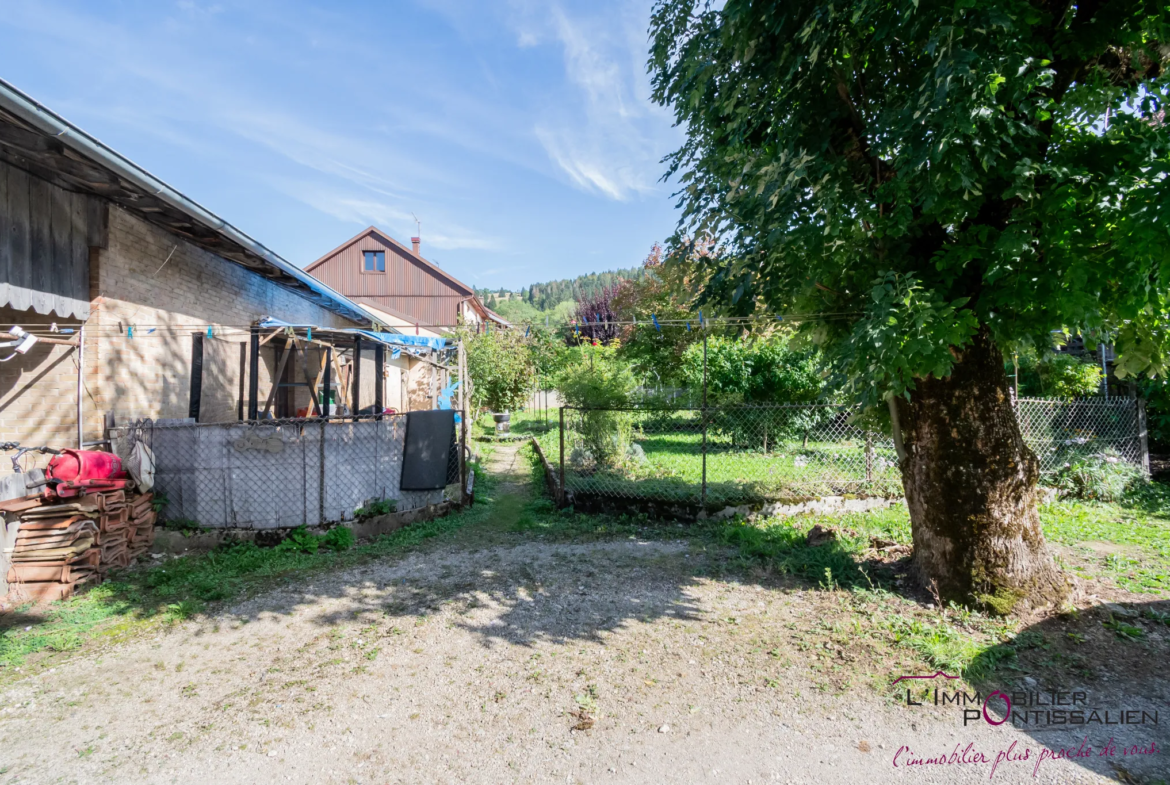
(276, 380)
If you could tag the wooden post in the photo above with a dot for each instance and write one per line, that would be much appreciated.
(357, 376)
(379, 378)
(325, 392)
(254, 375)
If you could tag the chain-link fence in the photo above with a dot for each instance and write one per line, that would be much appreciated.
(742, 454)
(1063, 432)
(280, 473)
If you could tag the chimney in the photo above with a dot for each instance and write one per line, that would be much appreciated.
(415, 242)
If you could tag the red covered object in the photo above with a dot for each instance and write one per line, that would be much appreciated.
(79, 466)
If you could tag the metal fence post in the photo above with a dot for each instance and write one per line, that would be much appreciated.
(561, 491)
(703, 414)
(1143, 435)
(321, 473)
(868, 457)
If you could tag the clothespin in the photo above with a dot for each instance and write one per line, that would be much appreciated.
(700, 320)
(416, 328)
(599, 318)
(657, 326)
(209, 334)
(527, 330)
(779, 318)
(310, 334)
(688, 327)
(129, 331)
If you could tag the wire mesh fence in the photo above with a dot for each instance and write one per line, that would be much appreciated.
(741, 454)
(280, 473)
(1063, 432)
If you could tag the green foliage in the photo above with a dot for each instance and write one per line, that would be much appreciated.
(909, 173)
(1065, 376)
(300, 540)
(1157, 395)
(337, 539)
(600, 383)
(501, 368)
(377, 507)
(1103, 476)
(758, 372)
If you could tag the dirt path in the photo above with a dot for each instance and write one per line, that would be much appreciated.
(527, 661)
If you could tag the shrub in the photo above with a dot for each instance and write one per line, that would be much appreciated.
(602, 386)
(300, 540)
(338, 539)
(378, 507)
(500, 365)
(1064, 376)
(759, 372)
(1104, 476)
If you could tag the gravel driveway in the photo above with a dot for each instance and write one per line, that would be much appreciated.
(521, 662)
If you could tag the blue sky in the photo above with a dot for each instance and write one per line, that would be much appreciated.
(520, 132)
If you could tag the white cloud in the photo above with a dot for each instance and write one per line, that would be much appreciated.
(608, 138)
(388, 217)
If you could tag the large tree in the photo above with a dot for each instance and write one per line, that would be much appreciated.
(930, 183)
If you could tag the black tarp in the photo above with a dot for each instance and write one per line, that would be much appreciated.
(430, 446)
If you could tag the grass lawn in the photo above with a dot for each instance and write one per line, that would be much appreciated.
(673, 469)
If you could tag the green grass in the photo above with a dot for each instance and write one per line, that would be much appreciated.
(181, 588)
(674, 469)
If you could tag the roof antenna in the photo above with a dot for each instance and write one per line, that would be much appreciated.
(416, 241)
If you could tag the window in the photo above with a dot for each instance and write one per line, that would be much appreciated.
(375, 261)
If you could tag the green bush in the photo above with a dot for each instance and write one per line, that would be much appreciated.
(300, 540)
(501, 368)
(1104, 476)
(601, 385)
(379, 507)
(759, 372)
(1064, 376)
(338, 539)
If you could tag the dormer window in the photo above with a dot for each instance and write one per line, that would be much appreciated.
(375, 261)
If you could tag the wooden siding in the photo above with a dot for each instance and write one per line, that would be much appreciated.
(44, 245)
(408, 286)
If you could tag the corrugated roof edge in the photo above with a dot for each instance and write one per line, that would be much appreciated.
(48, 121)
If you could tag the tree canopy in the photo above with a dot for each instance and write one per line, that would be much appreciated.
(914, 172)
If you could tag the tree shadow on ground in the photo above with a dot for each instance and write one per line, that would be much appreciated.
(1090, 679)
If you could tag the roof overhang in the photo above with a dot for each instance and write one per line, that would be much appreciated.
(46, 145)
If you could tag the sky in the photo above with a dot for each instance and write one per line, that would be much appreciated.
(519, 132)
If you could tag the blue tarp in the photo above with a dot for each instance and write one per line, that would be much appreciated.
(386, 338)
(405, 340)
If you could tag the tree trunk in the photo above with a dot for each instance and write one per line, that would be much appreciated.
(970, 486)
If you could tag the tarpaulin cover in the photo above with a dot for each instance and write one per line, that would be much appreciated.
(430, 446)
(406, 340)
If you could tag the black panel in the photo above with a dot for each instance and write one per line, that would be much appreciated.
(430, 437)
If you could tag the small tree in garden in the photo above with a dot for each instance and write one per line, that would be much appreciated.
(759, 372)
(930, 182)
(595, 316)
(500, 365)
(601, 383)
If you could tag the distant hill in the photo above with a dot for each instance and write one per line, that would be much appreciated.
(547, 296)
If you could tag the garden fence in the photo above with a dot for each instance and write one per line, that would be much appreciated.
(279, 473)
(741, 454)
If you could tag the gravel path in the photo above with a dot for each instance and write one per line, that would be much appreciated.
(529, 662)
